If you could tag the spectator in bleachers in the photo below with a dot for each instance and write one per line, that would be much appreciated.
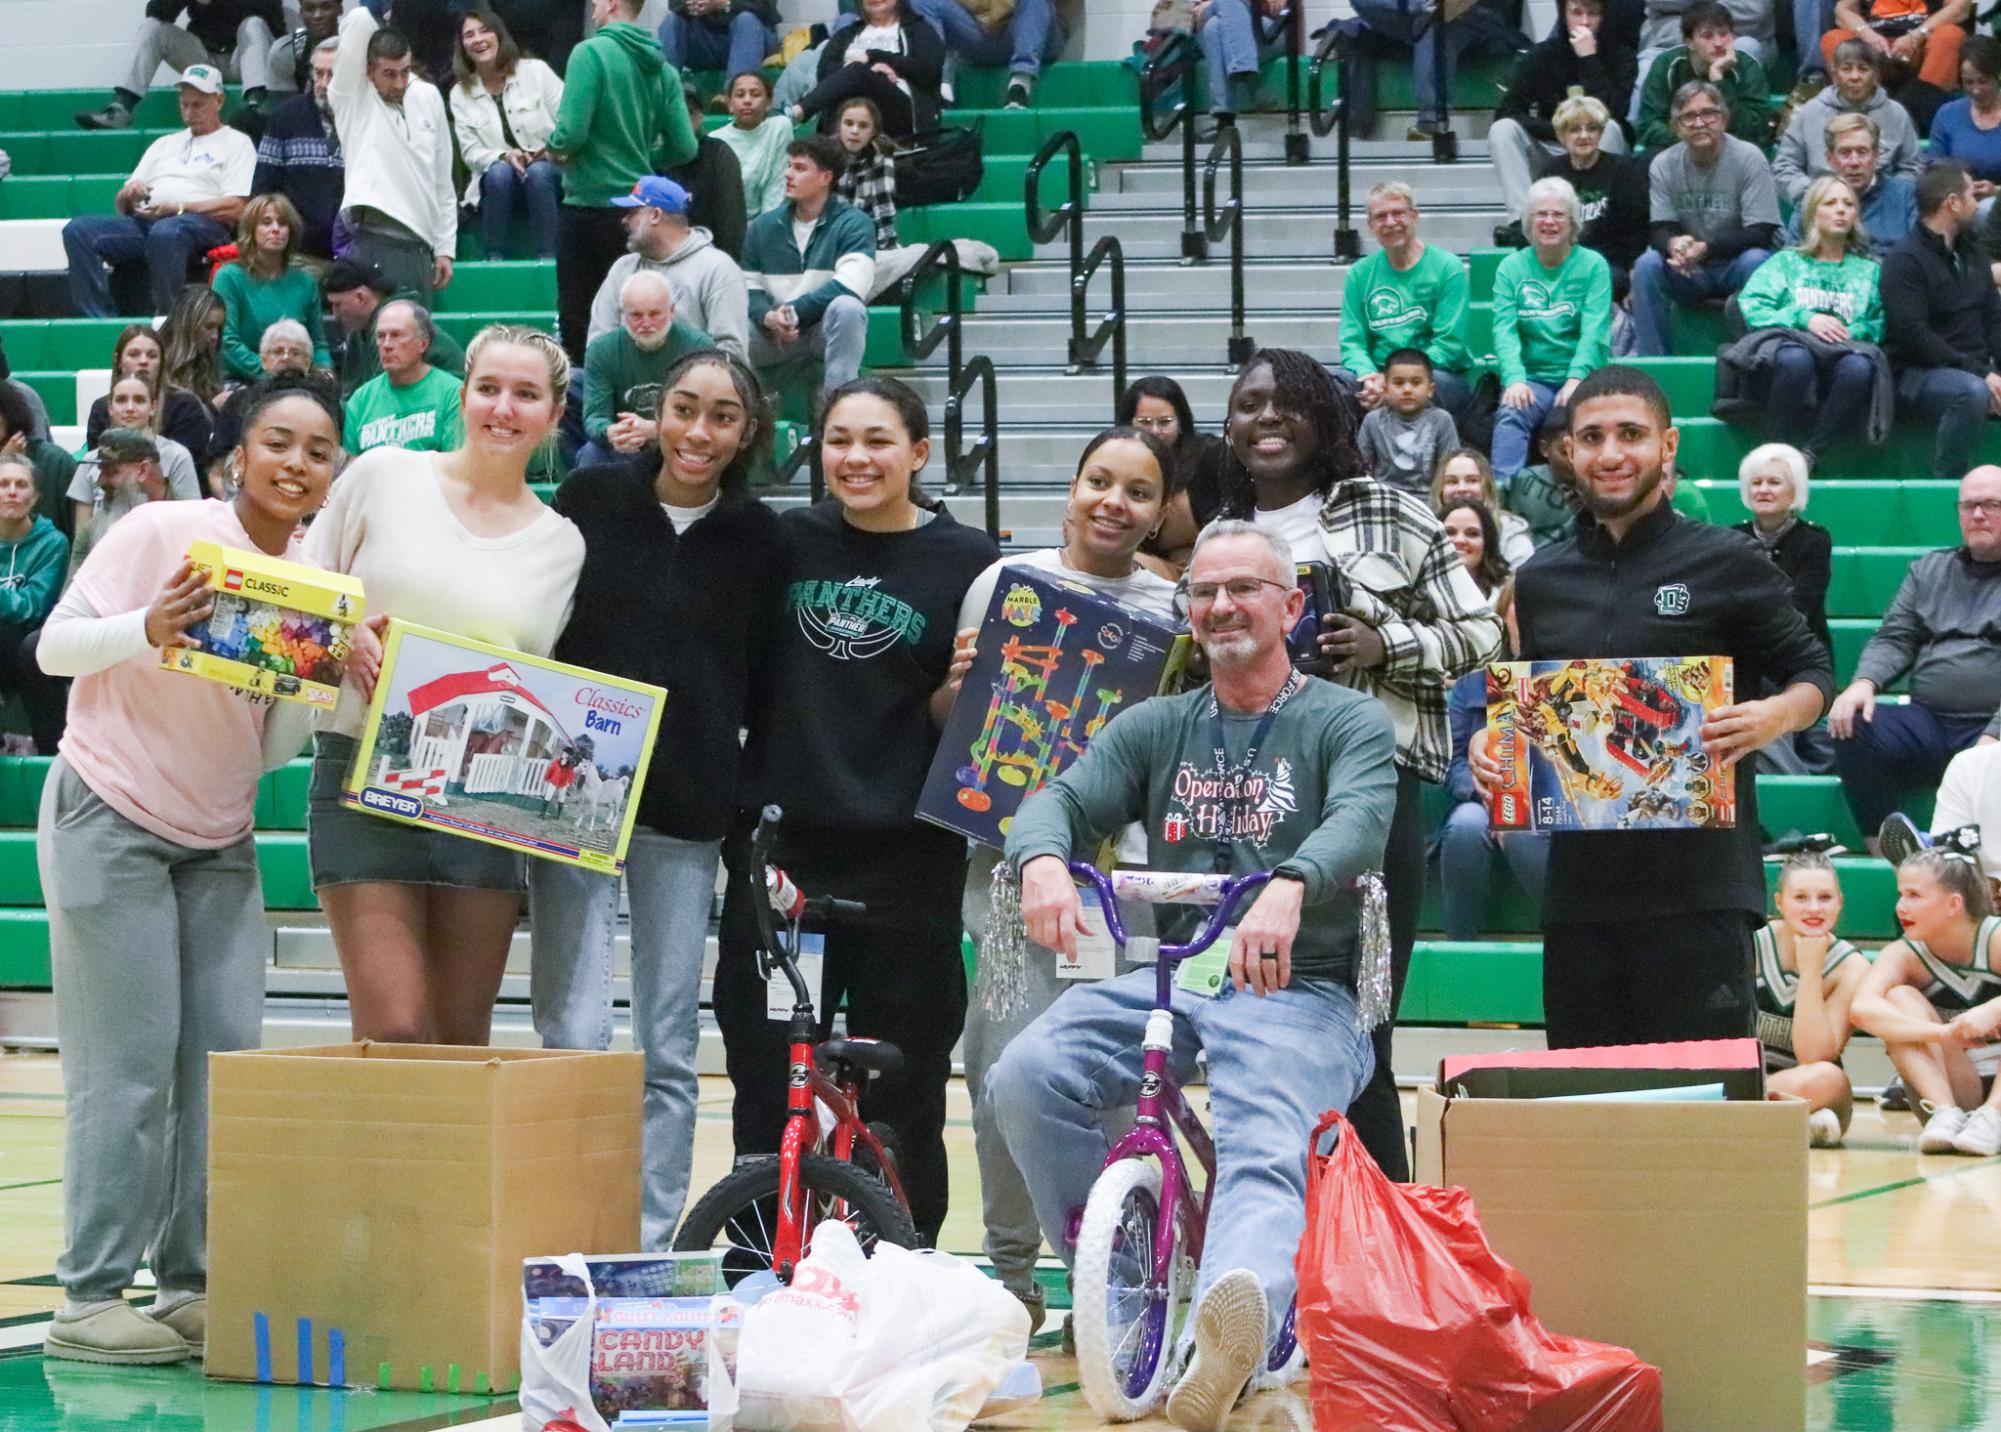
(710, 291)
(1920, 38)
(1544, 495)
(1466, 843)
(808, 295)
(179, 203)
(1969, 128)
(622, 119)
(299, 157)
(1715, 215)
(1708, 51)
(37, 556)
(133, 417)
(1889, 201)
(891, 58)
(37, 409)
(160, 967)
(401, 214)
(1552, 320)
(868, 180)
(355, 294)
(1611, 187)
(1470, 528)
(183, 417)
(1156, 404)
(191, 345)
(1942, 320)
(1937, 631)
(1807, 980)
(624, 370)
(1232, 58)
(1857, 89)
(759, 140)
(286, 349)
(503, 111)
(409, 404)
(1401, 436)
(1753, 23)
(713, 180)
(1577, 61)
(291, 64)
(1773, 482)
(1408, 294)
(728, 35)
(53, 467)
(264, 284)
(222, 36)
(121, 476)
(1024, 37)
(1488, 25)
(1464, 476)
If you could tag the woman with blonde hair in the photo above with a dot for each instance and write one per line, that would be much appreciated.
(1464, 474)
(266, 283)
(1818, 387)
(191, 345)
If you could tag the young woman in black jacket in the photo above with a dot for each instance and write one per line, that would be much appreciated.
(679, 588)
(891, 57)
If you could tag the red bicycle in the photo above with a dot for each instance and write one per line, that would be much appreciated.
(830, 1163)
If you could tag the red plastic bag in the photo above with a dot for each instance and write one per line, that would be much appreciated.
(1412, 1323)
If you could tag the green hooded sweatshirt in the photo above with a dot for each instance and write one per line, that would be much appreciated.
(31, 574)
(1790, 287)
(622, 116)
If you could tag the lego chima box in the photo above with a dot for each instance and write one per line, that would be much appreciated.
(276, 628)
(1056, 661)
(1608, 744)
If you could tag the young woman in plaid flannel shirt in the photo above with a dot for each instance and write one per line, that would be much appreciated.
(869, 181)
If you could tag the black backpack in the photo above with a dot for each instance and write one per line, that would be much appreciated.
(938, 166)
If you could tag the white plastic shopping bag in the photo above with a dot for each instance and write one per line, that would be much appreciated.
(899, 1342)
(556, 1374)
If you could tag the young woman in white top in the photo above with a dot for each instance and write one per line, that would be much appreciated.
(455, 541)
(1807, 979)
(1934, 999)
(1118, 499)
(503, 111)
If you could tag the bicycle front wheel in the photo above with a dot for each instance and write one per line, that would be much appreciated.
(739, 1216)
(1124, 1316)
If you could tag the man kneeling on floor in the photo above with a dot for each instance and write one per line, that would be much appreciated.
(1267, 770)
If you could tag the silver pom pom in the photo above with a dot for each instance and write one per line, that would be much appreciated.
(1373, 994)
(1001, 982)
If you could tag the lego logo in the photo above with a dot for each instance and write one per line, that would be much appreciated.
(233, 581)
(1507, 810)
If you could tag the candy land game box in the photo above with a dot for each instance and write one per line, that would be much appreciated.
(1610, 744)
(510, 749)
(277, 628)
(1056, 661)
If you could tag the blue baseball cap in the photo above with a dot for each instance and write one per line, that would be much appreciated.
(653, 192)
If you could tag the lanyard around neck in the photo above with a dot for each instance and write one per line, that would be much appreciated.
(1233, 778)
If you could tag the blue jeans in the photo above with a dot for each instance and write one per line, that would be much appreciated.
(1515, 430)
(1274, 1065)
(1811, 20)
(1466, 851)
(1954, 401)
(1230, 51)
(1903, 750)
(733, 43)
(165, 246)
(504, 193)
(1814, 406)
(1657, 288)
(1033, 38)
(574, 913)
(1407, 22)
(837, 342)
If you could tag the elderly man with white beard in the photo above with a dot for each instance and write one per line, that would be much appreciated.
(623, 369)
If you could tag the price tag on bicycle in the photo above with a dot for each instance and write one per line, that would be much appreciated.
(1206, 974)
(1097, 953)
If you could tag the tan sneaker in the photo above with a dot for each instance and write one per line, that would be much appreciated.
(113, 1333)
(190, 1320)
(1229, 1345)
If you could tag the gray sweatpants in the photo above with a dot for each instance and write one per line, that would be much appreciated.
(158, 953)
(159, 43)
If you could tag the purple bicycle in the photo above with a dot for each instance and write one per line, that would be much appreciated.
(1139, 1238)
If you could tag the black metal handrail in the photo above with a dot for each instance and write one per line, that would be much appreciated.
(985, 451)
(806, 455)
(1085, 349)
(947, 327)
(1154, 81)
(1333, 119)
(1229, 224)
(1086, 343)
(1444, 143)
(1298, 148)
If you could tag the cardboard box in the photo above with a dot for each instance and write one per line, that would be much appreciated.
(1609, 744)
(1676, 1230)
(1736, 1064)
(389, 1194)
(1056, 661)
(497, 746)
(277, 628)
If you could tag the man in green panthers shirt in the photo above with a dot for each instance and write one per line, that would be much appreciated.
(1266, 770)
(1407, 295)
(409, 404)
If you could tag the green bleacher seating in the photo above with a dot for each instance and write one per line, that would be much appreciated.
(496, 285)
(1916, 513)
(76, 151)
(1473, 982)
(27, 196)
(24, 949)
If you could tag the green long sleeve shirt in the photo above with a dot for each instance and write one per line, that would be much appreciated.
(621, 377)
(622, 116)
(1316, 802)
(1424, 306)
(254, 304)
(1745, 90)
(1790, 287)
(1552, 325)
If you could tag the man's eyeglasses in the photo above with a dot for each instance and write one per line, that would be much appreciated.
(1241, 590)
(1981, 507)
(1699, 116)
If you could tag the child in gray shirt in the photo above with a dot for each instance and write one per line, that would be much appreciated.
(1402, 438)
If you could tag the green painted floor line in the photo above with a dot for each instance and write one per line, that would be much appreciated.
(1060, 1389)
(1862, 1193)
(28, 1183)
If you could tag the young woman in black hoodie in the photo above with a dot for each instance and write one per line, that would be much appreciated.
(857, 675)
(679, 588)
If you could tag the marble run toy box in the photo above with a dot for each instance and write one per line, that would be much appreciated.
(1608, 744)
(277, 628)
(1056, 661)
(506, 748)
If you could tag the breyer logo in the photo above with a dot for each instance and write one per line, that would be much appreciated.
(375, 798)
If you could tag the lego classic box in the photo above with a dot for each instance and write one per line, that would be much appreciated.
(277, 628)
(1056, 661)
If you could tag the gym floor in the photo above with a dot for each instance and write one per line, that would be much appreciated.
(1905, 1321)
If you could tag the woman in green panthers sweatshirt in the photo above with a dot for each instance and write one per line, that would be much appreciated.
(1552, 320)
(1818, 394)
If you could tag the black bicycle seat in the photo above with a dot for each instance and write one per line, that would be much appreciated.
(875, 1055)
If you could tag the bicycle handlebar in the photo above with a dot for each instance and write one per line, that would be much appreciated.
(797, 908)
(1164, 887)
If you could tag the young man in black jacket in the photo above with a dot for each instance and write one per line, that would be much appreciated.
(1942, 320)
(233, 35)
(1647, 933)
(1576, 60)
